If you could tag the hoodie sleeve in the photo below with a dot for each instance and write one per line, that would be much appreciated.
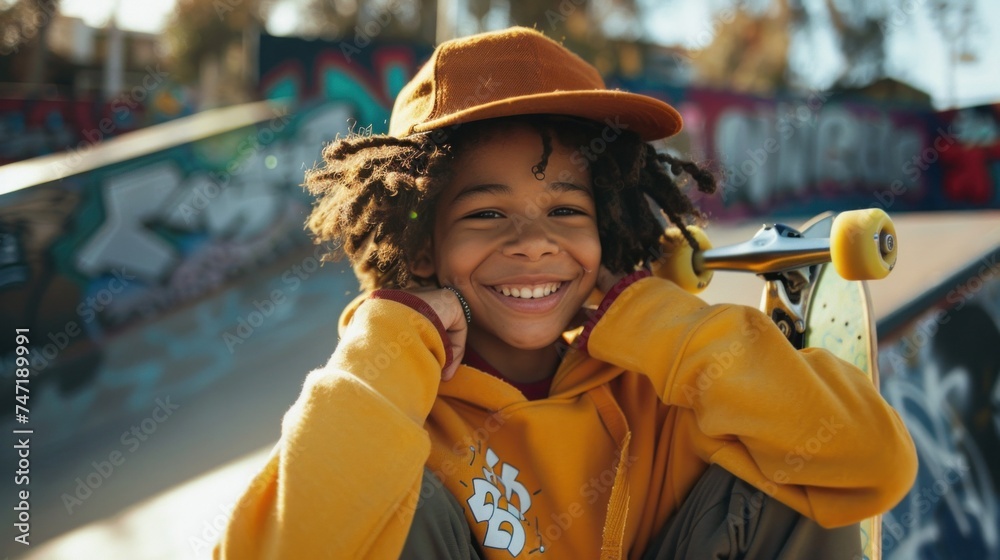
(344, 478)
(803, 426)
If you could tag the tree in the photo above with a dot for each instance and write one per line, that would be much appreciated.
(954, 20)
(745, 48)
(583, 25)
(23, 27)
(597, 30)
(393, 19)
(205, 29)
(773, 44)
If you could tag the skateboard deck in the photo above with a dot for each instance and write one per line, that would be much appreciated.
(841, 320)
(807, 291)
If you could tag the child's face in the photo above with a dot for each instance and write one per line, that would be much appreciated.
(500, 231)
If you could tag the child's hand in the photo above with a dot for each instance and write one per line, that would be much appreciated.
(445, 303)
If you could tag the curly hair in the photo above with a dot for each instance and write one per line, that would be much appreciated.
(375, 194)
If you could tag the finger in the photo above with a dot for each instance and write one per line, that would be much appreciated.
(449, 372)
(457, 342)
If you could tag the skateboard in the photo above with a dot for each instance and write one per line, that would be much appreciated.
(815, 290)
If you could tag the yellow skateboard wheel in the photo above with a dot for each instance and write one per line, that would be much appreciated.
(863, 244)
(677, 263)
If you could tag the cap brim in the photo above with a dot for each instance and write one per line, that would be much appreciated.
(646, 116)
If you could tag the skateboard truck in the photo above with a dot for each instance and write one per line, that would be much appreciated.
(785, 260)
(789, 262)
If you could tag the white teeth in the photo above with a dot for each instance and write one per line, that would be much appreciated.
(528, 292)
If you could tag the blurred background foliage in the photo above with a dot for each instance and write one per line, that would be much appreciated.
(758, 46)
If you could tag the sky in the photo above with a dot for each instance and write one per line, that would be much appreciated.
(917, 54)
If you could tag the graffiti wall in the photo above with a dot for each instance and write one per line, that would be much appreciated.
(94, 255)
(941, 371)
(971, 162)
(198, 228)
(30, 128)
(36, 127)
(363, 78)
(777, 156)
(807, 154)
(804, 155)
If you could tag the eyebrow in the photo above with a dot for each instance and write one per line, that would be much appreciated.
(497, 188)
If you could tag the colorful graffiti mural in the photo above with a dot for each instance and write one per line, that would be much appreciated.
(87, 258)
(36, 127)
(801, 155)
(778, 156)
(941, 371)
(365, 80)
(970, 156)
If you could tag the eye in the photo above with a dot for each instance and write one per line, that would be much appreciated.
(567, 211)
(485, 215)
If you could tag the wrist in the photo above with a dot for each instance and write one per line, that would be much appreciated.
(461, 300)
(419, 305)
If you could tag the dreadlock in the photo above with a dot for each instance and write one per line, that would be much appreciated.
(375, 194)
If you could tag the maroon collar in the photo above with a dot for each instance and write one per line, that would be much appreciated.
(532, 391)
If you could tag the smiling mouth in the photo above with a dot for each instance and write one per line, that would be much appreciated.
(527, 291)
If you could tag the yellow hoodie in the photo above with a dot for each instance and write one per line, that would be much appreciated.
(665, 386)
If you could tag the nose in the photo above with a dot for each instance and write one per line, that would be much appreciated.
(530, 238)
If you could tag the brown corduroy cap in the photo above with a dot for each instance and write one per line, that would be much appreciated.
(519, 71)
